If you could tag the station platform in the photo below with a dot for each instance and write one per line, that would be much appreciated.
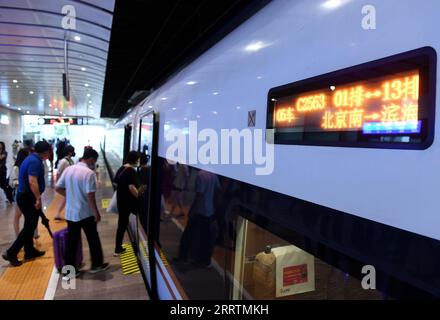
(39, 280)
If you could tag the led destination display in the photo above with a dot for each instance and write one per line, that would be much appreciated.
(385, 103)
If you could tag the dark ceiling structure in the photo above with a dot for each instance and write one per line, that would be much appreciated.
(151, 40)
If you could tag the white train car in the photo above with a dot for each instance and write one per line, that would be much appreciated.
(350, 176)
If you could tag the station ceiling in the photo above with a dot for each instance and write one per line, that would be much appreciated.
(152, 39)
(33, 34)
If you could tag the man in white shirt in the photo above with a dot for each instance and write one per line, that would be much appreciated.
(63, 165)
(78, 185)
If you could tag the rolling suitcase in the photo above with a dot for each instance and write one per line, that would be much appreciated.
(59, 249)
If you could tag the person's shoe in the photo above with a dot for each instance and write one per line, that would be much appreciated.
(119, 252)
(104, 267)
(12, 260)
(34, 254)
(58, 219)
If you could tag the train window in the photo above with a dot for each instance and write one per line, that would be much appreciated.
(267, 267)
(387, 103)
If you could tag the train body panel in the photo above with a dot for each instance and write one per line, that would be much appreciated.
(289, 41)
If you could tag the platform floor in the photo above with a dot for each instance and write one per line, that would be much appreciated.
(38, 280)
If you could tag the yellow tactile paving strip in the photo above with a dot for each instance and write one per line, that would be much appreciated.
(29, 281)
(129, 261)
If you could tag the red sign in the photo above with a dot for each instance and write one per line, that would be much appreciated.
(294, 275)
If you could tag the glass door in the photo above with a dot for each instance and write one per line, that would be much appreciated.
(148, 203)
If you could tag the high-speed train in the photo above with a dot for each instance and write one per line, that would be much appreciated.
(309, 134)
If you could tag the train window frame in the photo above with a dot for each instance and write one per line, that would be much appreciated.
(425, 60)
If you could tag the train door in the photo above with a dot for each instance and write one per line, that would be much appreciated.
(149, 196)
(127, 139)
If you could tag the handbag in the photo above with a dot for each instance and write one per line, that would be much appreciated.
(113, 206)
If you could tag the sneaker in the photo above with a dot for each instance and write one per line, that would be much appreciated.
(34, 254)
(119, 252)
(12, 260)
(104, 267)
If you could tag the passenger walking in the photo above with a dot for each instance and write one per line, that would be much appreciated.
(14, 183)
(60, 152)
(78, 185)
(63, 164)
(30, 188)
(127, 195)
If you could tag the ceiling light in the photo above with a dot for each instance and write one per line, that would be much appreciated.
(191, 83)
(50, 105)
(238, 107)
(190, 102)
(61, 112)
(331, 4)
(14, 81)
(88, 94)
(17, 87)
(42, 100)
(77, 38)
(90, 101)
(31, 92)
(197, 116)
(259, 77)
(19, 109)
(83, 69)
(164, 98)
(214, 112)
(332, 88)
(215, 93)
(56, 109)
(86, 84)
(151, 107)
(255, 46)
(28, 112)
(174, 108)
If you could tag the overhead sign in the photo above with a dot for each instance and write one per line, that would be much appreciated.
(387, 103)
(61, 121)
